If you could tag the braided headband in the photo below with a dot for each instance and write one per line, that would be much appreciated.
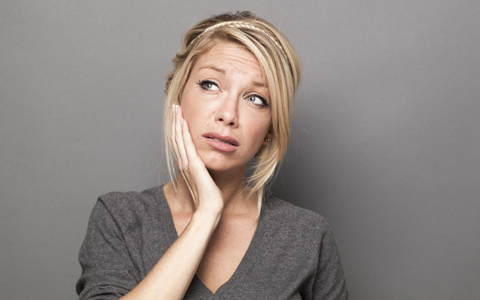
(239, 24)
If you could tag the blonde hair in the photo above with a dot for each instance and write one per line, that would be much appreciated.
(281, 70)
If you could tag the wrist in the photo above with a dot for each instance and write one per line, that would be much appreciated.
(208, 214)
(209, 210)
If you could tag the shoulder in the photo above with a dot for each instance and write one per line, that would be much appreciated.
(293, 223)
(288, 213)
(128, 208)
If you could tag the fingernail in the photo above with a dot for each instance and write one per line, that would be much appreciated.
(181, 121)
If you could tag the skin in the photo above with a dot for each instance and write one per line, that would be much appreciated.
(214, 220)
(226, 107)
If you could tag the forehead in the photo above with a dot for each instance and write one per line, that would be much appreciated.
(230, 57)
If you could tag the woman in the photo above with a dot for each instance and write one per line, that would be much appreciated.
(212, 232)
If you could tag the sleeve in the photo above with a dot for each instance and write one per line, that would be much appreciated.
(107, 268)
(329, 281)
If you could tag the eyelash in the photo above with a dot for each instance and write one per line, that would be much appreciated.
(202, 84)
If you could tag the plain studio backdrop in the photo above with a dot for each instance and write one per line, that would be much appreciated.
(385, 139)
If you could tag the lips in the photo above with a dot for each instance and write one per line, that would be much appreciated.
(220, 142)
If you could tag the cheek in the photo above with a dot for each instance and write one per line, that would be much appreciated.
(190, 112)
(258, 131)
(195, 108)
(196, 115)
(187, 100)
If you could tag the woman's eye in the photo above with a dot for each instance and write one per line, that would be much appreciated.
(257, 100)
(208, 85)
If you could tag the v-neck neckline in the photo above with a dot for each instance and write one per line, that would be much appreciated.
(245, 263)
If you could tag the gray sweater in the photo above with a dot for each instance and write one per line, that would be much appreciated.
(292, 254)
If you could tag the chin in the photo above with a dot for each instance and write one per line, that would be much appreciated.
(222, 164)
(221, 167)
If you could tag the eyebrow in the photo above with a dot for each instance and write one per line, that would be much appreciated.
(214, 68)
(260, 84)
(255, 83)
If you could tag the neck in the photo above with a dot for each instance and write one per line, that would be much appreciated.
(231, 184)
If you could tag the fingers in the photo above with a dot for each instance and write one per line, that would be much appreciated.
(172, 133)
(190, 149)
(178, 140)
(178, 145)
(183, 142)
(191, 165)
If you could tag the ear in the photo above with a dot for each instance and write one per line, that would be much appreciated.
(267, 139)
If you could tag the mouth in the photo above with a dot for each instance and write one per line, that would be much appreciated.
(221, 142)
(221, 138)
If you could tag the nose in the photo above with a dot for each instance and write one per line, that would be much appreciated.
(227, 111)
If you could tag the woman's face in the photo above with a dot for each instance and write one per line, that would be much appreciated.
(227, 106)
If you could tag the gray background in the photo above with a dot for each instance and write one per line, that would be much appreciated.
(385, 138)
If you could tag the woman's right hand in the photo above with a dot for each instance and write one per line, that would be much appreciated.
(173, 273)
(205, 193)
